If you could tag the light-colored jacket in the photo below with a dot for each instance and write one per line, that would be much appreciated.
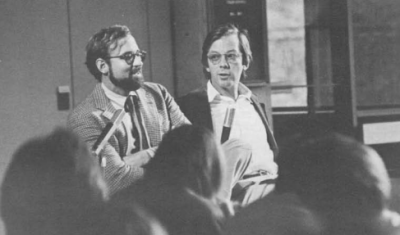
(89, 118)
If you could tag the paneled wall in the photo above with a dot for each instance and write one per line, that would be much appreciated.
(42, 47)
(189, 30)
(33, 62)
(149, 22)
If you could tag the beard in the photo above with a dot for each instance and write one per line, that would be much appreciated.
(131, 83)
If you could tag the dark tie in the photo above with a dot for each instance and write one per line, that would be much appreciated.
(138, 129)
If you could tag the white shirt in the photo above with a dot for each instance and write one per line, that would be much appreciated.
(247, 126)
(118, 102)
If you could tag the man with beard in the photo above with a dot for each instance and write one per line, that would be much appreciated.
(115, 60)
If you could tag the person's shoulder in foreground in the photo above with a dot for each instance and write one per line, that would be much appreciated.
(51, 183)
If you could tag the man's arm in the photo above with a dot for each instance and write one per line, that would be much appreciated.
(118, 172)
(140, 158)
(176, 116)
(196, 108)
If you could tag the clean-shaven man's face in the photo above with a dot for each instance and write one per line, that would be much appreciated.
(225, 74)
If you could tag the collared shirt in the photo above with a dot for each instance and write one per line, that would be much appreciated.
(247, 126)
(118, 102)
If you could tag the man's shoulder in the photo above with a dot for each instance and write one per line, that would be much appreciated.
(87, 103)
(194, 103)
(199, 93)
(84, 108)
(153, 86)
(155, 89)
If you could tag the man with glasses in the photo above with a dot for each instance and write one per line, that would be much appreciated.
(115, 60)
(229, 108)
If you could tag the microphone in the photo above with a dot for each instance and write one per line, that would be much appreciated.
(226, 128)
(106, 134)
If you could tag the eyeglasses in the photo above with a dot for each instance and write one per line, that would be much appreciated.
(129, 57)
(231, 58)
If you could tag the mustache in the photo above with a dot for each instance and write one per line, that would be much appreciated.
(136, 69)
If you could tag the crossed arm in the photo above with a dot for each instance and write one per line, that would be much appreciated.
(121, 170)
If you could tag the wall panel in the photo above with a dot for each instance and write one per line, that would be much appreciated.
(149, 23)
(34, 60)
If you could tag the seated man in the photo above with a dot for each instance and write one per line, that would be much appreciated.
(115, 60)
(226, 56)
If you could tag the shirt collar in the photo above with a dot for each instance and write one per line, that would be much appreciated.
(244, 91)
(212, 93)
(114, 97)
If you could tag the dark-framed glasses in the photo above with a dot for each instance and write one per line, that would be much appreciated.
(231, 58)
(129, 57)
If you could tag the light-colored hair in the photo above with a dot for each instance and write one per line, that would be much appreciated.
(226, 30)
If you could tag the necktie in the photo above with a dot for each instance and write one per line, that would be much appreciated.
(138, 130)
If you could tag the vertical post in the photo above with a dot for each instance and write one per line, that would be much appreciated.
(309, 72)
(268, 88)
(341, 36)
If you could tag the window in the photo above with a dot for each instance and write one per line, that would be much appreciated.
(286, 46)
(299, 35)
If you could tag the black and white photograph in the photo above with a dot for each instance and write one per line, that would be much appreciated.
(200, 117)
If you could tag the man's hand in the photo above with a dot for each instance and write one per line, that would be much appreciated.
(140, 158)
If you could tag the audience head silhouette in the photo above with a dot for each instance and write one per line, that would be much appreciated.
(182, 183)
(51, 185)
(189, 157)
(342, 180)
(130, 219)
